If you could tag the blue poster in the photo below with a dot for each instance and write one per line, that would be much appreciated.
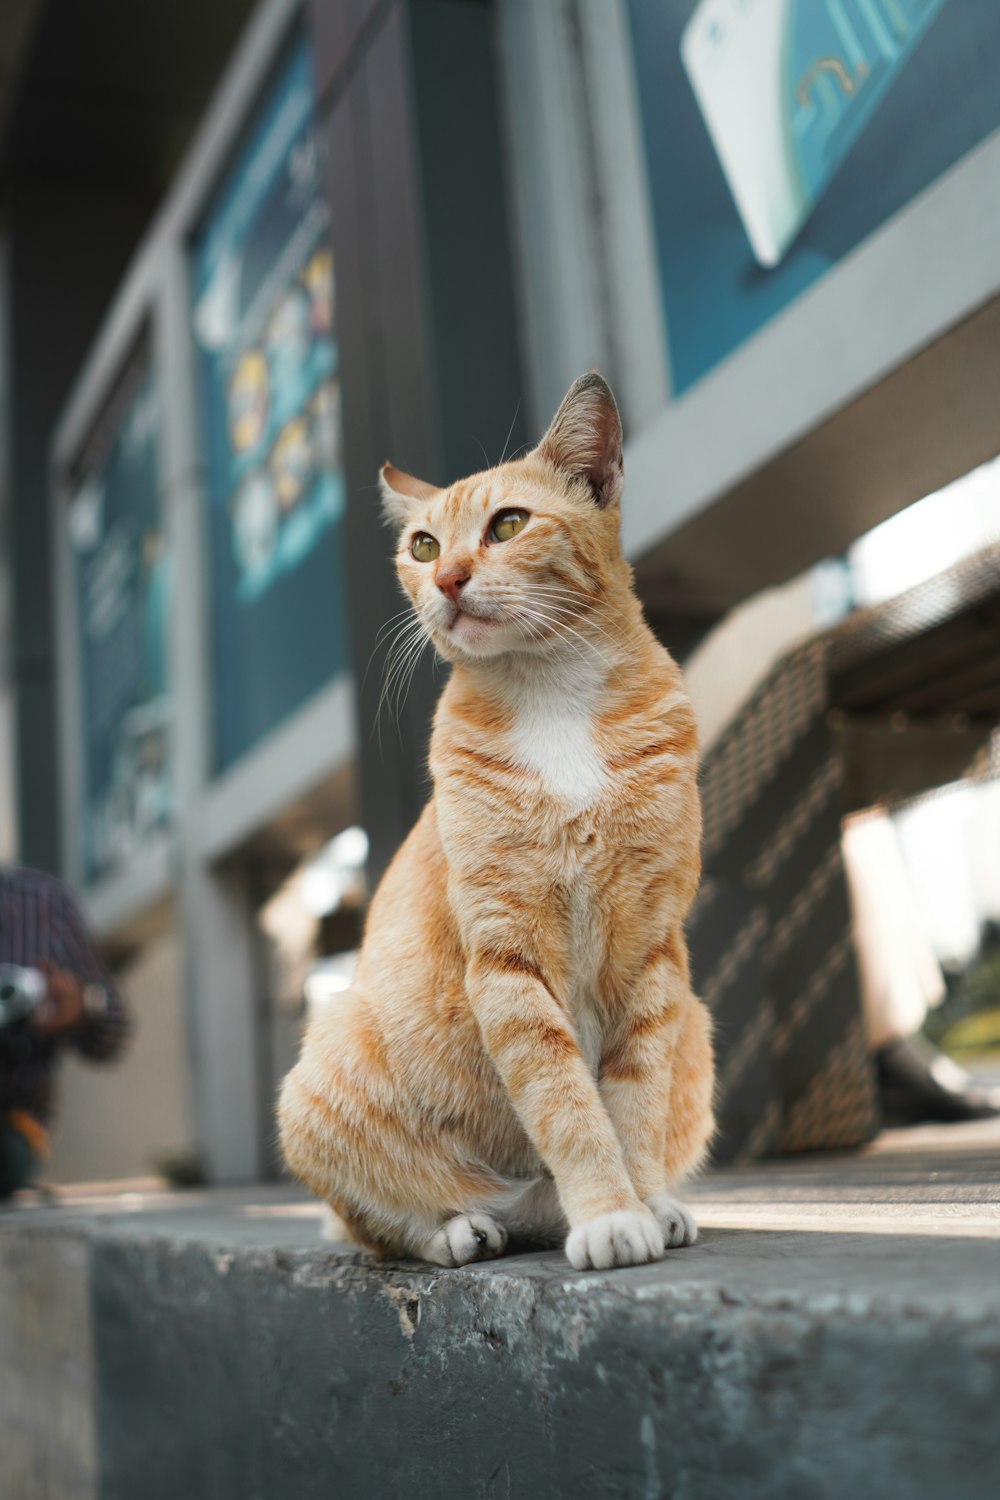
(122, 585)
(781, 133)
(269, 362)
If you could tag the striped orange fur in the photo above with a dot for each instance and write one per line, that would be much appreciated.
(521, 1051)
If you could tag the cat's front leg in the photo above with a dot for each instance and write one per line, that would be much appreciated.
(637, 1082)
(530, 1040)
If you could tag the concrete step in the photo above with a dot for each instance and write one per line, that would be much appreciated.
(836, 1331)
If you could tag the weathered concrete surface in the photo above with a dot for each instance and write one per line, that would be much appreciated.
(47, 1414)
(836, 1331)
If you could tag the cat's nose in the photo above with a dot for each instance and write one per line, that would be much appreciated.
(451, 582)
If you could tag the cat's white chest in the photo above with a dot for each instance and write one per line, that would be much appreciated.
(553, 735)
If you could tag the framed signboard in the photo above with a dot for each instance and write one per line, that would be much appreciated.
(121, 572)
(781, 134)
(269, 370)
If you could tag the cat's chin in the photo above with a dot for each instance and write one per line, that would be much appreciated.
(474, 636)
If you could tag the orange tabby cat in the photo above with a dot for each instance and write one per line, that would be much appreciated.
(521, 1051)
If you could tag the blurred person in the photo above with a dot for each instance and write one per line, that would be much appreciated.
(72, 1002)
(901, 980)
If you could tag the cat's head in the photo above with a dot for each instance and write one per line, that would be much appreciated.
(515, 558)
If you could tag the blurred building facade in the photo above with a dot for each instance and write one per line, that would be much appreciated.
(248, 254)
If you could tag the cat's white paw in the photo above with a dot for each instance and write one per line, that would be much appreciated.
(332, 1226)
(628, 1237)
(465, 1238)
(676, 1221)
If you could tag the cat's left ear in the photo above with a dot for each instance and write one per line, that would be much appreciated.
(585, 439)
(400, 493)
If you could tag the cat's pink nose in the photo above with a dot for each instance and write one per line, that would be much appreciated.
(451, 582)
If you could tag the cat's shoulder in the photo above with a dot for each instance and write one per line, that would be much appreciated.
(655, 679)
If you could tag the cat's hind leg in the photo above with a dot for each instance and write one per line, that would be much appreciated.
(353, 1136)
(690, 1122)
(690, 1117)
(463, 1239)
(675, 1219)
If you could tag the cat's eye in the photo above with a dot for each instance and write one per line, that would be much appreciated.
(507, 523)
(424, 548)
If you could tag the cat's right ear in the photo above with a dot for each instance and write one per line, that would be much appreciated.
(584, 439)
(401, 493)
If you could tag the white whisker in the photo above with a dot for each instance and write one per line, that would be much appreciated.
(409, 637)
(557, 611)
(510, 429)
(560, 628)
(403, 689)
(380, 639)
(554, 595)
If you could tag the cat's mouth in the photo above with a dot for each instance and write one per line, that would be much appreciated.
(474, 628)
(465, 612)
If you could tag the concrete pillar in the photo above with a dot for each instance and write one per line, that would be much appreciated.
(221, 960)
(53, 308)
(426, 315)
